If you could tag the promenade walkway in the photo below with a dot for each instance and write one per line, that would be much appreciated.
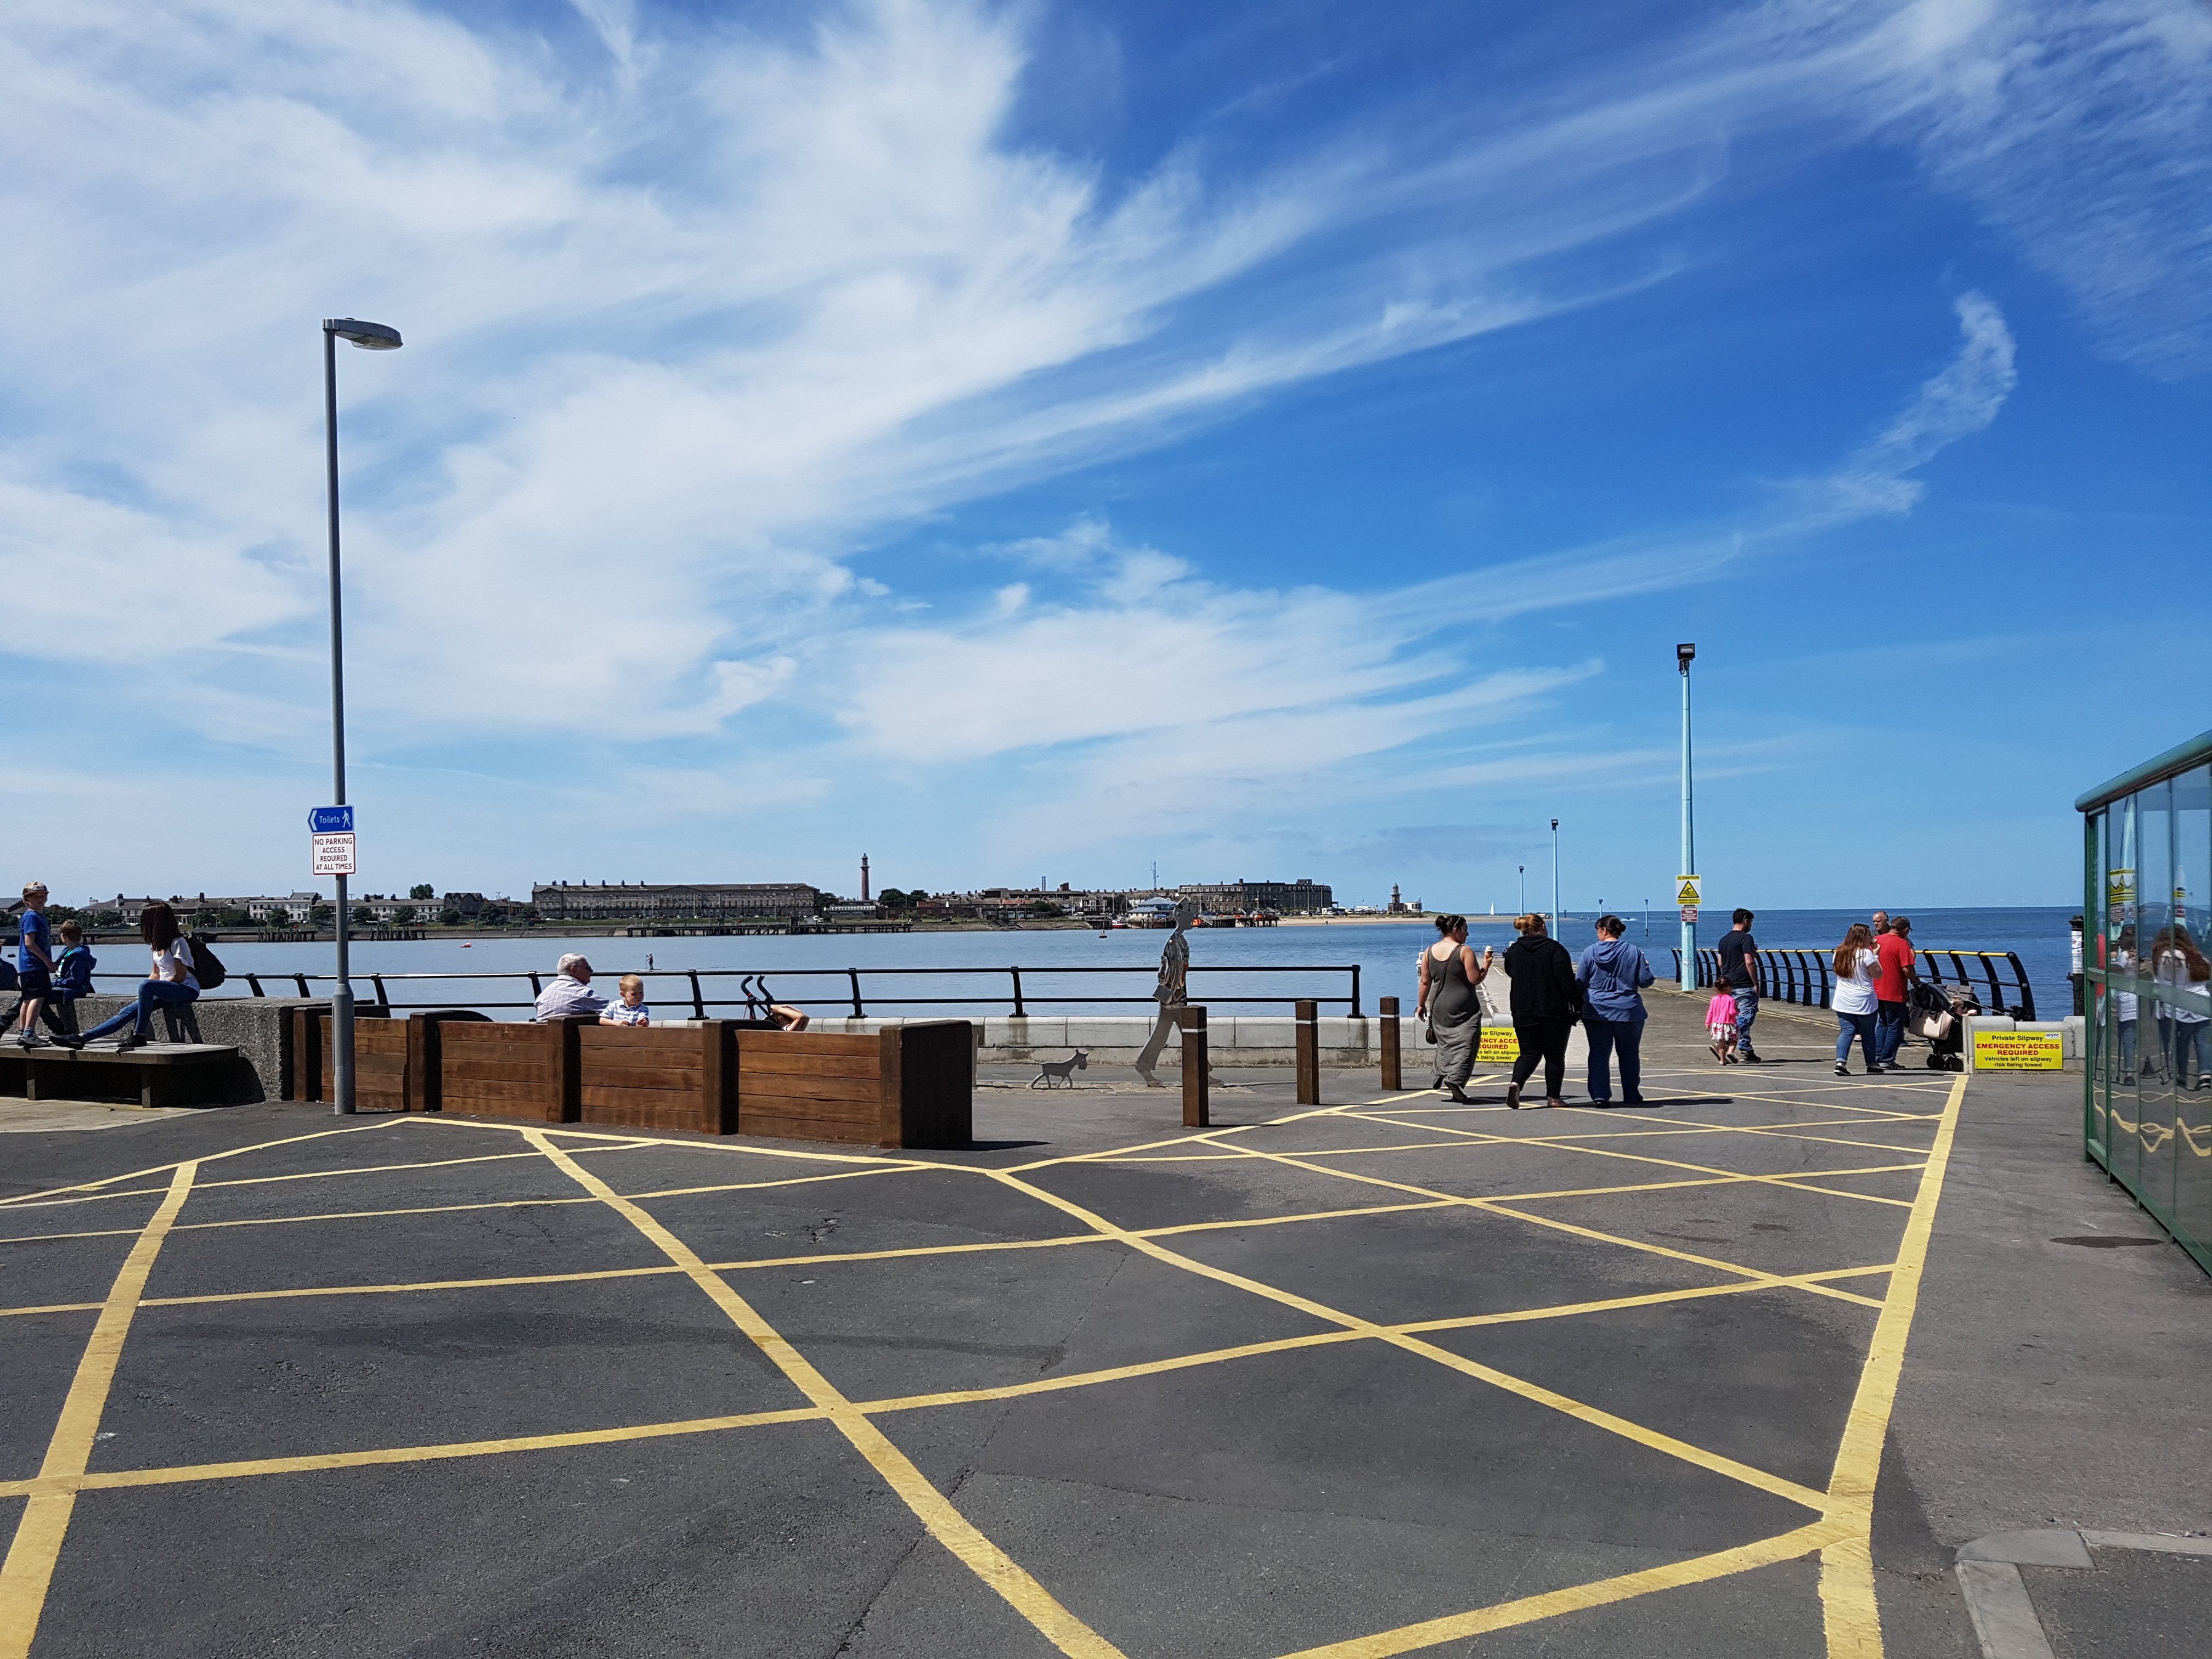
(1380, 1376)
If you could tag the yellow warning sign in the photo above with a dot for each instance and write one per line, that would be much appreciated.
(1688, 894)
(1499, 1046)
(2019, 1051)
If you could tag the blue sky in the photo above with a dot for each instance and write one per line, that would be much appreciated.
(1270, 439)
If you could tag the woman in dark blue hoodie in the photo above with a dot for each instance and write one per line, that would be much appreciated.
(1611, 975)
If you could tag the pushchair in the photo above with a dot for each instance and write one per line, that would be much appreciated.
(1936, 1014)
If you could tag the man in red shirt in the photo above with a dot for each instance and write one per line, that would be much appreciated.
(1896, 972)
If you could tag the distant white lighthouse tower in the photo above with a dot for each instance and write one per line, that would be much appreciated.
(864, 877)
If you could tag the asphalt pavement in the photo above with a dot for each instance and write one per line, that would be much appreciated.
(1731, 1374)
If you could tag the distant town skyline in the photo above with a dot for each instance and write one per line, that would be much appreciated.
(1062, 436)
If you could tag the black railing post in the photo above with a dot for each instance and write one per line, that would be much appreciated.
(300, 980)
(2027, 990)
(382, 1000)
(1356, 1014)
(852, 974)
(1020, 1012)
(254, 979)
(698, 998)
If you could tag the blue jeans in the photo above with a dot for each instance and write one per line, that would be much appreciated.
(1747, 1010)
(1858, 1025)
(2180, 1038)
(152, 993)
(1606, 1034)
(1888, 1031)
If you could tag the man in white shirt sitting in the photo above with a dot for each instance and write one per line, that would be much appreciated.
(571, 992)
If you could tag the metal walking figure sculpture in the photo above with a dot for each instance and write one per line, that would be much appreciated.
(1171, 992)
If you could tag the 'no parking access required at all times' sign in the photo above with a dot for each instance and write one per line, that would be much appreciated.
(330, 834)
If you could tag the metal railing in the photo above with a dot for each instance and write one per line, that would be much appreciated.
(853, 997)
(1789, 974)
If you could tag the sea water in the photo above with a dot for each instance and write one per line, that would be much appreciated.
(1385, 953)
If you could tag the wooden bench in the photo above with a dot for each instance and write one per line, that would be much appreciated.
(169, 1074)
(911, 1085)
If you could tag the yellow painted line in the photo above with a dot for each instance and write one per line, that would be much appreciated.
(48, 1238)
(532, 1132)
(997, 1570)
(189, 1472)
(29, 1568)
(1578, 1598)
(1477, 1136)
(115, 1480)
(28, 1199)
(385, 1169)
(1849, 1613)
(1651, 1437)
(52, 1308)
(1496, 1208)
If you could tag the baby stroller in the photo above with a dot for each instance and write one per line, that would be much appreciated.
(1936, 1014)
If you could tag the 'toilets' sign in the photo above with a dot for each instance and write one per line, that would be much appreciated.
(330, 835)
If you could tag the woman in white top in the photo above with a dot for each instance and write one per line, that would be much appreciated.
(2126, 1007)
(170, 985)
(1857, 962)
(2177, 965)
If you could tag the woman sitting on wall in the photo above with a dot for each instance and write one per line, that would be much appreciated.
(171, 985)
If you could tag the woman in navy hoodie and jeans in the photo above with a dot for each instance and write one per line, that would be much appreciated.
(1611, 975)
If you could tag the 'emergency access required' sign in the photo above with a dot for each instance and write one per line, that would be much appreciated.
(330, 836)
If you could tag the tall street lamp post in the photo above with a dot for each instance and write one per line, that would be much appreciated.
(1683, 655)
(1521, 875)
(370, 336)
(1555, 878)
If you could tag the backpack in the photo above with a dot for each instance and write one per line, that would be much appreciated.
(206, 967)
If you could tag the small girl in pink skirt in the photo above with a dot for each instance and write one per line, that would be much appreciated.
(1720, 1025)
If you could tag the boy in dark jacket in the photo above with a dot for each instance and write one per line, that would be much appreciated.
(72, 977)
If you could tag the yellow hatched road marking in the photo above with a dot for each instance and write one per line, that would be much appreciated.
(240, 1469)
(28, 1199)
(1849, 1613)
(1801, 1180)
(1698, 1454)
(29, 1568)
(1576, 1598)
(946, 1524)
(1497, 1208)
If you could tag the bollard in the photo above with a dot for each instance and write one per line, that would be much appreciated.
(1309, 1036)
(1197, 1099)
(1392, 1082)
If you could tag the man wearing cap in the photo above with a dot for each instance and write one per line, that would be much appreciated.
(570, 992)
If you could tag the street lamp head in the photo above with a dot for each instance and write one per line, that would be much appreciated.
(1683, 654)
(1555, 826)
(370, 337)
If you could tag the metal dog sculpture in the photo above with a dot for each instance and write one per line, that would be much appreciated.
(1062, 1070)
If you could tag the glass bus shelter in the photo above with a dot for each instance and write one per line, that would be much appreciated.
(2148, 1093)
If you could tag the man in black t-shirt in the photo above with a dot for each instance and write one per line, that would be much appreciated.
(1740, 976)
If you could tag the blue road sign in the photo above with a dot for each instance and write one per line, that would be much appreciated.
(329, 820)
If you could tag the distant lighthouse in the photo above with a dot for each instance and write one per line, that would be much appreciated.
(864, 877)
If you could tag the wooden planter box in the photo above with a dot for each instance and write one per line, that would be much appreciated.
(906, 1086)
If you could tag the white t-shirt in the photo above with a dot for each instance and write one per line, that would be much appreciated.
(621, 1013)
(2173, 972)
(178, 951)
(2128, 1007)
(1855, 995)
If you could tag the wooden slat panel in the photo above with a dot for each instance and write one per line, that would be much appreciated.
(778, 1085)
(490, 1070)
(829, 1111)
(757, 1043)
(750, 1061)
(491, 1034)
(599, 1073)
(796, 1128)
(514, 1109)
(477, 1090)
(656, 1047)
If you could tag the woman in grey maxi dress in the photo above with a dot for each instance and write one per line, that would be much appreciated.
(1451, 1004)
